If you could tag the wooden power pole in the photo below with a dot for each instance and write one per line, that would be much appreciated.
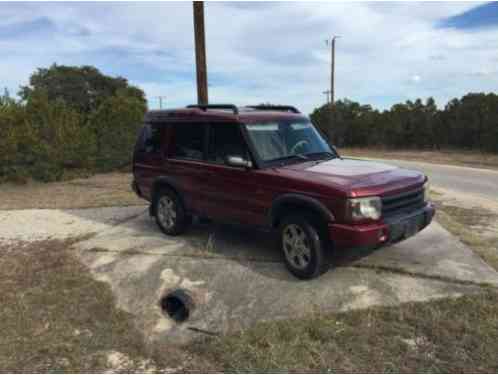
(200, 53)
(332, 68)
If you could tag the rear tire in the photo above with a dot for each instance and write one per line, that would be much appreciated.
(305, 246)
(170, 213)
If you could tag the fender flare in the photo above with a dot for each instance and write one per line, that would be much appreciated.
(301, 200)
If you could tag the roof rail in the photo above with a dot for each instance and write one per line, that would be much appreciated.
(205, 107)
(265, 107)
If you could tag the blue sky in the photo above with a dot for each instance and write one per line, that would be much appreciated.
(263, 52)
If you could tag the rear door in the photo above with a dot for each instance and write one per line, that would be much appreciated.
(185, 162)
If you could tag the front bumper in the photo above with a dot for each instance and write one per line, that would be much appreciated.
(391, 230)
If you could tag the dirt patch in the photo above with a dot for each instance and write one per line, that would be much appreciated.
(450, 157)
(102, 190)
(55, 317)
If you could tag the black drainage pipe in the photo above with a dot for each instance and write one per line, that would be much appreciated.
(178, 305)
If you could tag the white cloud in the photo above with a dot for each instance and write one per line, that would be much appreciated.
(263, 52)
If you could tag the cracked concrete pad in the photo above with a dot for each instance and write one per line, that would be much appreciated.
(141, 235)
(434, 252)
(237, 278)
(232, 294)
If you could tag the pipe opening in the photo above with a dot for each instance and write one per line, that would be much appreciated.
(177, 305)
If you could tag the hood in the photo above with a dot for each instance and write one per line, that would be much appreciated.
(359, 177)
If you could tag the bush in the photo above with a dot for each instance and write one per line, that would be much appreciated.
(16, 137)
(59, 140)
(49, 140)
(115, 125)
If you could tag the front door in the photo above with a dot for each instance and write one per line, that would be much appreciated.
(231, 193)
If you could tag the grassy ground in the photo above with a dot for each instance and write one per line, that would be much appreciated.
(475, 227)
(100, 190)
(450, 335)
(451, 157)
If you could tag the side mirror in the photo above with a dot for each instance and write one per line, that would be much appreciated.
(237, 161)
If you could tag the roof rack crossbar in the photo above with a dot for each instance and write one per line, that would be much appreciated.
(264, 107)
(205, 107)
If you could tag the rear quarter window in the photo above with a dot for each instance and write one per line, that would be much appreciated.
(188, 140)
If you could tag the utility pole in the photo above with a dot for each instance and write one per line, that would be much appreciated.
(160, 97)
(200, 53)
(332, 67)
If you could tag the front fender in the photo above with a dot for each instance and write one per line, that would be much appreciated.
(302, 201)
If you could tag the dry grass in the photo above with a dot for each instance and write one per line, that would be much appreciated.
(451, 157)
(449, 335)
(112, 189)
(475, 227)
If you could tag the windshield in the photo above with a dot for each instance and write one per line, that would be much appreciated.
(287, 139)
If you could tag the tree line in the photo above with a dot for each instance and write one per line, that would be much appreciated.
(468, 123)
(75, 120)
(67, 122)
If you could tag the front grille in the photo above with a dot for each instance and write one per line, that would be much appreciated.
(403, 203)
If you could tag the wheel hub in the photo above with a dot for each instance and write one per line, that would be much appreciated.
(166, 212)
(296, 246)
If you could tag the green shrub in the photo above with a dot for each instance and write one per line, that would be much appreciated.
(115, 125)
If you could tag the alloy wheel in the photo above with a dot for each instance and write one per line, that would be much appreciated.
(296, 246)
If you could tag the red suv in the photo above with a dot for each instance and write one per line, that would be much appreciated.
(269, 167)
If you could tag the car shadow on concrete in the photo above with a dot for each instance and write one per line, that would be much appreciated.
(251, 248)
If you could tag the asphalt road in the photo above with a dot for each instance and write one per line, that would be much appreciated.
(471, 181)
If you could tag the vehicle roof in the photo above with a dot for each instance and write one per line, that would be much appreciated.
(244, 115)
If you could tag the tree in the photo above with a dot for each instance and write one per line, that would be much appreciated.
(81, 88)
(115, 125)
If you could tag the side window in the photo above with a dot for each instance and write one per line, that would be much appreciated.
(225, 140)
(189, 141)
(149, 140)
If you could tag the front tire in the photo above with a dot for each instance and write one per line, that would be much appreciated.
(170, 214)
(304, 246)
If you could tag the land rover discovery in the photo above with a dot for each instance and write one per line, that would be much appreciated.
(269, 167)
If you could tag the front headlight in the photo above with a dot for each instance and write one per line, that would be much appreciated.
(427, 192)
(364, 208)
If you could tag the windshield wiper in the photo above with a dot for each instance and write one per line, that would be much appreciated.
(293, 156)
(323, 153)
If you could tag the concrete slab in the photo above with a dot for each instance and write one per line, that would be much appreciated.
(234, 294)
(42, 224)
(237, 277)
(434, 252)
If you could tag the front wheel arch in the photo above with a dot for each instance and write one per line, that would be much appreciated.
(288, 204)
